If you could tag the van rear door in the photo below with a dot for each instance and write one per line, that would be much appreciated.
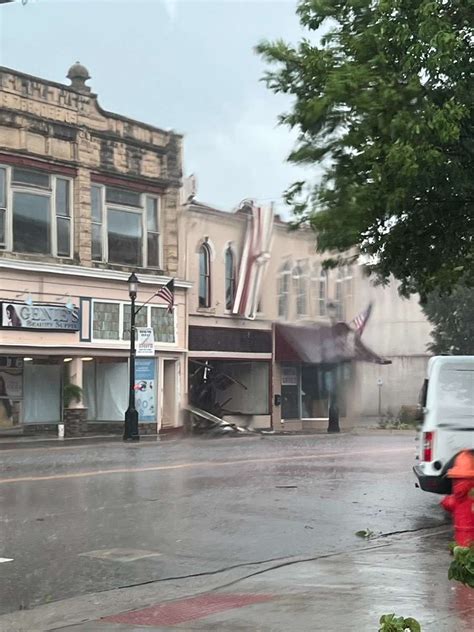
(454, 410)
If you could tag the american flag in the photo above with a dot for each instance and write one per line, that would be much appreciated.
(360, 321)
(167, 294)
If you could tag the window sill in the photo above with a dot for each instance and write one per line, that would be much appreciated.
(40, 258)
(206, 310)
(105, 265)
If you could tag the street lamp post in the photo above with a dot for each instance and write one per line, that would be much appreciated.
(333, 412)
(131, 414)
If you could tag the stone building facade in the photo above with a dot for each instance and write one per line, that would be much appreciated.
(296, 292)
(86, 197)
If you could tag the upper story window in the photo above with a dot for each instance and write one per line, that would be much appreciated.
(204, 276)
(35, 212)
(125, 227)
(348, 284)
(320, 290)
(339, 294)
(284, 291)
(229, 278)
(300, 280)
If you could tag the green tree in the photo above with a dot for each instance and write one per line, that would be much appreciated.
(453, 320)
(382, 97)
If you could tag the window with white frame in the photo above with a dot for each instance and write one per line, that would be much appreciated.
(204, 276)
(322, 292)
(300, 281)
(348, 285)
(229, 278)
(339, 293)
(35, 212)
(111, 321)
(125, 227)
(284, 291)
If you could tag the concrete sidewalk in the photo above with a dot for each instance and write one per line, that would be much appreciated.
(406, 574)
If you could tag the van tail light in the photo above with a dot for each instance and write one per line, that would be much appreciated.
(428, 440)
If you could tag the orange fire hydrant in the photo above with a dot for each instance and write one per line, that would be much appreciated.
(461, 502)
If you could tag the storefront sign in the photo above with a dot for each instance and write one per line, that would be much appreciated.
(145, 342)
(39, 316)
(145, 389)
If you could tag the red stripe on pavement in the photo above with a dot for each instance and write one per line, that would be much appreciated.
(186, 609)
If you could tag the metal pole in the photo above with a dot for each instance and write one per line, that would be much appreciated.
(131, 415)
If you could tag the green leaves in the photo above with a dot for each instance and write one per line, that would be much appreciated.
(365, 533)
(462, 566)
(384, 97)
(392, 623)
(451, 315)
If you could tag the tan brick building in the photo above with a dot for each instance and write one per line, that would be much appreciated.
(296, 298)
(86, 197)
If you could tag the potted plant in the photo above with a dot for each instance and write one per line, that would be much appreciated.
(71, 393)
(74, 413)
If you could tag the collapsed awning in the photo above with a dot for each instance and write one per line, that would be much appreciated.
(321, 344)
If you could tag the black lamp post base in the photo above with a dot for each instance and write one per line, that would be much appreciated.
(131, 426)
(333, 425)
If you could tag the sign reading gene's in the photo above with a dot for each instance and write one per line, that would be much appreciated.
(39, 316)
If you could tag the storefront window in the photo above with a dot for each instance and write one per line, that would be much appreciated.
(42, 393)
(249, 393)
(290, 392)
(106, 390)
(11, 394)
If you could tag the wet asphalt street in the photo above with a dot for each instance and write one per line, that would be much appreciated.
(80, 519)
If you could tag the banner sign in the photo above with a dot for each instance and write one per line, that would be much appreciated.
(145, 342)
(145, 389)
(40, 316)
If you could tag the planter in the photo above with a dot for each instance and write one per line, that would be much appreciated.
(75, 422)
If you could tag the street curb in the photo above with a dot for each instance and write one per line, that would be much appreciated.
(92, 607)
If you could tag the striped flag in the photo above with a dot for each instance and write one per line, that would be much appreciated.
(360, 321)
(167, 294)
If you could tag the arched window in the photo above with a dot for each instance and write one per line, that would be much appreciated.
(339, 294)
(229, 278)
(300, 280)
(348, 285)
(204, 276)
(284, 291)
(322, 292)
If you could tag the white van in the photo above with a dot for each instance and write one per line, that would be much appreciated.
(448, 420)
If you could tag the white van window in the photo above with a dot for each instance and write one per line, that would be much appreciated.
(456, 393)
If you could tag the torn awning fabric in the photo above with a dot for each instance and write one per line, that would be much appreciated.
(321, 344)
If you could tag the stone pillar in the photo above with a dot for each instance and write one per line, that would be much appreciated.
(75, 377)
(75, 417)
(75, 422)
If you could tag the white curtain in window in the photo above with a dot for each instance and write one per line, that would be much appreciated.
(106, 390)
(88, 387)
(112, 391)
(42, 393)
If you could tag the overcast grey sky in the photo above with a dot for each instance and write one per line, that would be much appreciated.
(188, 65)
